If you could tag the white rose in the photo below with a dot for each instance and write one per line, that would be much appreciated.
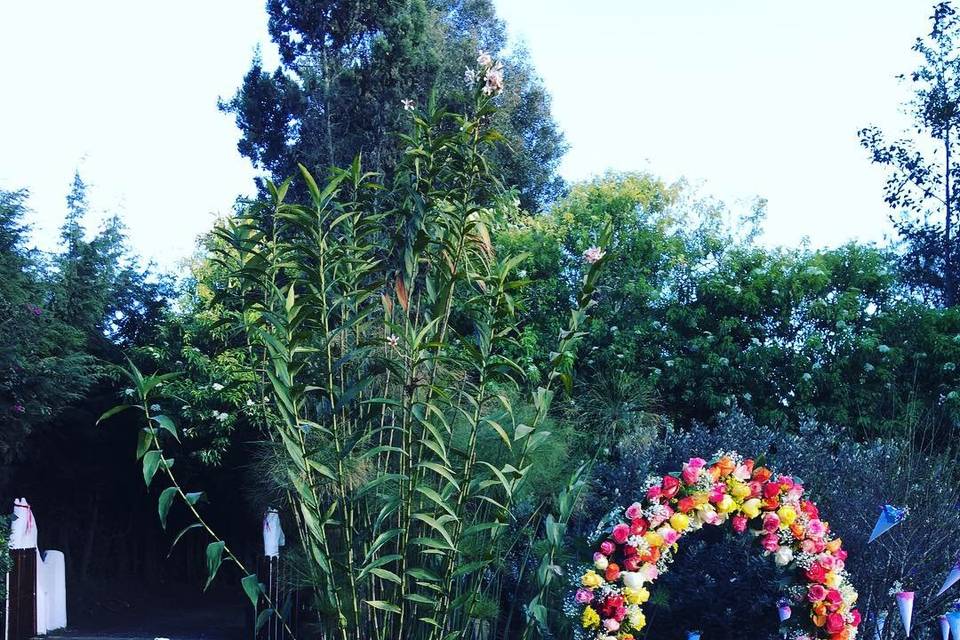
(783, 556)
(632, 579)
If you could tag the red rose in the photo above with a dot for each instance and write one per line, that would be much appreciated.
(639, 527)
(835, 623)
(632, 563)
(771, 490)
(671, 486)
(629, 551)
(816, 573)
(685, 505)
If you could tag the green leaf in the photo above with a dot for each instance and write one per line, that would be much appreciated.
(167, 425)
(263, 617)
(214, 559)
(195, 497)
(435, 525)
(145, 440)
(114, 411)
(195, 525)
(163, 504)
(383, 605)
(151, 461)
(251, 586)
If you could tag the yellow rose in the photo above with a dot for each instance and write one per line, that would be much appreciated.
(639, 621)
(751, 508)
(653, 538)
(727, 504)
(591, 580)
(739, 490)
(679, 522)
(831, 579)
(701, 498)
(590, 618)
(637, 595)
(787, 514)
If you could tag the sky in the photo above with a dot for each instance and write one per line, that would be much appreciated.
(743, 98)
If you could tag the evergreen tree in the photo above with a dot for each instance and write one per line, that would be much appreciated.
(346, 67)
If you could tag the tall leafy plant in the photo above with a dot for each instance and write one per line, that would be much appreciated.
(384, 319)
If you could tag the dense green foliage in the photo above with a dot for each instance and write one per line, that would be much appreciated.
(345, 69)
(384, 365)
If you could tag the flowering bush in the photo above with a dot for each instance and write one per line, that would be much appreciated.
(641, 543)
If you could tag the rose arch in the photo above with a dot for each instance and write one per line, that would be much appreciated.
(638, 544)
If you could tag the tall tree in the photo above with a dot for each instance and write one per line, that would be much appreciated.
(347, 67)
(923, 169)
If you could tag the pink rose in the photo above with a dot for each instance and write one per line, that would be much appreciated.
(808, 546)
(816, 529)
(795, 492)
(620, 533)
(634, 511)
(855, 614)
(770, 542)
(691, 470)
(739, 523)
(610, 624)
(755, 489)
(607, 547)
(816, 593)
(669, 534)
(653, 493)
(828, 561)
(584, 596)
(744, 471)
(717, 492)
(771, 523)
(834, 597)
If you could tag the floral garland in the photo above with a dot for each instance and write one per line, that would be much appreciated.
(641, 543)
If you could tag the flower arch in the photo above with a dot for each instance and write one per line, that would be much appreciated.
(637, 544)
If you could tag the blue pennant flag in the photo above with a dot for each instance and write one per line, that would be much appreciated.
(890, 516)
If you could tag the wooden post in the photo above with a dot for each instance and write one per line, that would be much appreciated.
(22, 595)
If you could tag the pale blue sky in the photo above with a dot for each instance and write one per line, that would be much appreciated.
(748, 97)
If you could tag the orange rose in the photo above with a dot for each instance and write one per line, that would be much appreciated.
(761, 474)
(834, 545)
(797, 531)
(726, 466)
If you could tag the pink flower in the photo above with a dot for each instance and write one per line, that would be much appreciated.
(709, 516)
(484, 59)
(808, 546)
(593, 254)
(691, 470)
(717, 492)
(771, 523)
(816, 593)
(834, 597)
(770, 542)
(493, 80)
(739, 523)
(816, 529)
(607, 547)
(610, 624)
(620, 533)
(828, 561)
(669, 534)
(743, 472)
(634, 511)
(653, 493)
(584, 596)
